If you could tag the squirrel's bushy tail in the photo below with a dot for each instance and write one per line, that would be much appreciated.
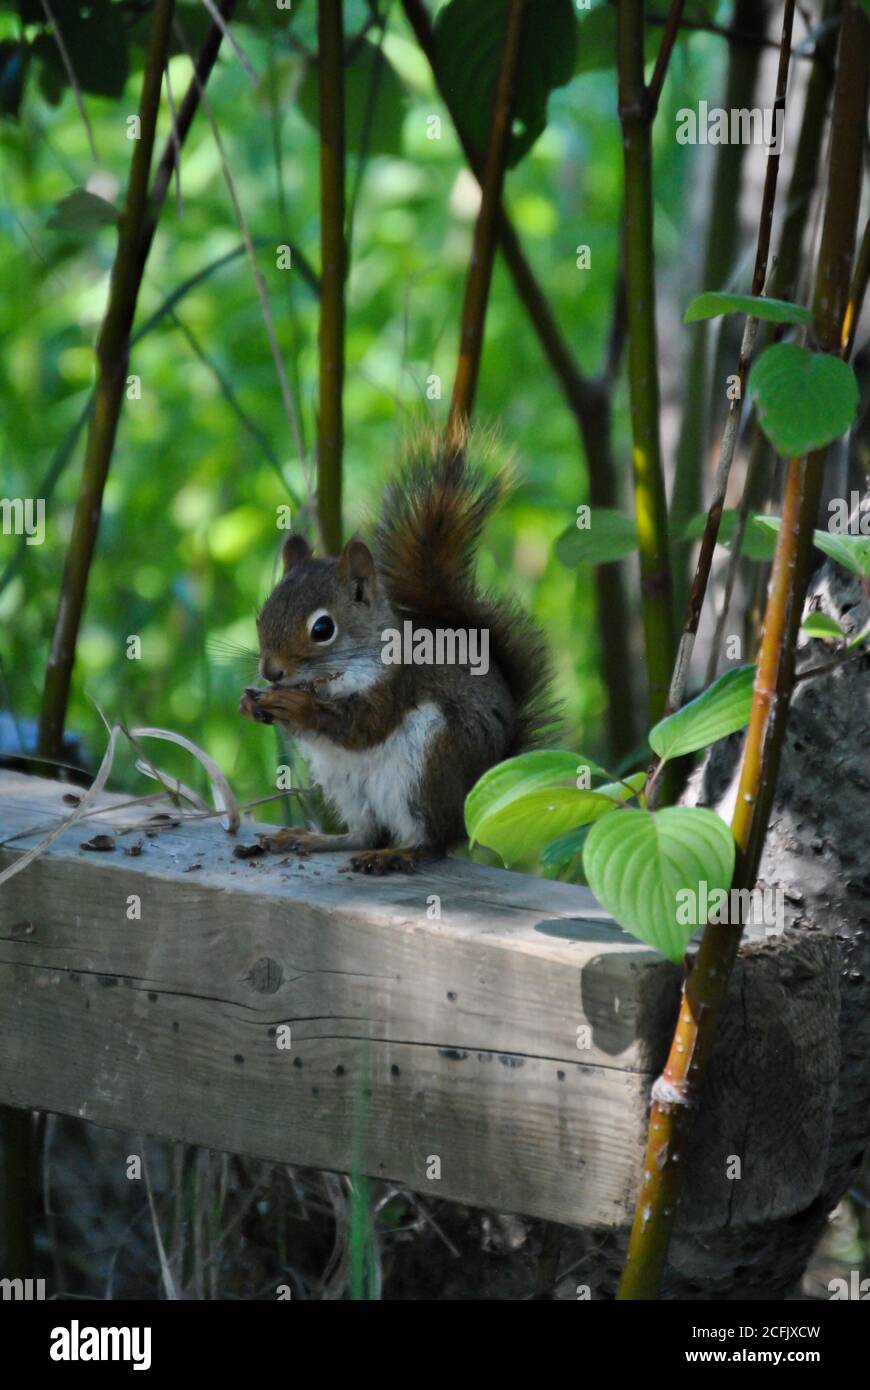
(432, 517)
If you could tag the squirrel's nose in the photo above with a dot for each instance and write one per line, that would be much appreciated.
(270, 669)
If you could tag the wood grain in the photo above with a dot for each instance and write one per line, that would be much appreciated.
(442, 1052)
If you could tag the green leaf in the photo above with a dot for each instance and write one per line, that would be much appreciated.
(758, 544)
(610, 536)
(526, 802)
(821, 626)
(531, 821)
(52, 84)
(543, 769)
(378, 129)
(718, 711)
(96, 42)
(711, 304)
(469, 39)
(81, 211)
(804, 399)
(852, 552)
(560, 852)
(637, 862)
(597, 46)
(194, 21)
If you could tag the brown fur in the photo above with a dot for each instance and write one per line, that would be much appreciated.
(426, 542)
(423, 570)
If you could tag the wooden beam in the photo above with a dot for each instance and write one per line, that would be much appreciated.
(414, 1038)
(498, 1054)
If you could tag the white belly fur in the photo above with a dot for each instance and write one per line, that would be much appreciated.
(378, 786)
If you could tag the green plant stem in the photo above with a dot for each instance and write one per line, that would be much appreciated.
(613, 613)
(785, 274)
(663, 58)
(649, 487)
(486, 228)
(275, 128)
(112, 355)
(65, 449)
(136, 229)
(589, 401)
(579, 390)
(676, 1093)
(783, 285)
(735, 411)
(723, 235)
(168, 161)
(831, 304)
(333, 261)
(242, 415)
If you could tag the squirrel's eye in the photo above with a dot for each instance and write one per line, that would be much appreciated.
(321, 628)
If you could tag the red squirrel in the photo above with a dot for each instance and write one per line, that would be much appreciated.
(401, 681)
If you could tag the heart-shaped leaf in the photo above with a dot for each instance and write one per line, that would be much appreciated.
(531, 821)
(647, 868)
(469, 43)
(545, 767)
(712, 304)
(525, 803)
(610, 535)
(804, 399)
(719, 710)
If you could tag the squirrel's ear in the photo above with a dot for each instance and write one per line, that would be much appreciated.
(356, 564)
(294, 550)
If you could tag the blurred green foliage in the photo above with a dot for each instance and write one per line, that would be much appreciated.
(188, 541)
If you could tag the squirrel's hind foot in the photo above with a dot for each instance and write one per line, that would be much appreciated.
(386, 861)
(301, 841)
(282, 841)
(296, 839)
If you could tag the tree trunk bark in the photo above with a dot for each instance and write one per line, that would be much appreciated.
(817, 855)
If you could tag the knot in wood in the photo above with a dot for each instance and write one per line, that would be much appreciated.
(266, 975)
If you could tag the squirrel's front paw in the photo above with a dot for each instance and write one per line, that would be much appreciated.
(249, 706)
(291, 705)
